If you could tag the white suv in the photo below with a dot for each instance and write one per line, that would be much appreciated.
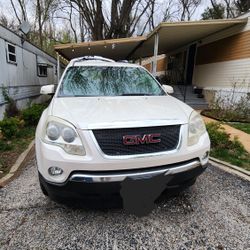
(109, 121)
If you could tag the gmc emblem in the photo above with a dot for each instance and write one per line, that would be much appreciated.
(138, 139)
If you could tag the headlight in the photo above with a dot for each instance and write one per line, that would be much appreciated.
(63, 134)
(53, 131)
(196, 128)
(68, 134)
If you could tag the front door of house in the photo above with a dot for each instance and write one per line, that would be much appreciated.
(190, 64)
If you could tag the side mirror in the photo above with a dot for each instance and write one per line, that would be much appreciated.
(48, 89)
(168, 89)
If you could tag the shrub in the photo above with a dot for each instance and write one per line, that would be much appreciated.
(217, 135)
(32, 114)
(10, 126)
(4, 146)
(225, 148)
(11, 109)
(221, 140)
(230, 107)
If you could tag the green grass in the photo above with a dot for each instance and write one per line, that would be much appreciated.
(16, 133)
(225, 149)
(11, 148)
(237, 158)
(226, 115)
(245, 127)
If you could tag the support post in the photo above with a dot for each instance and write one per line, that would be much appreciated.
(58, 68)
(156, 45)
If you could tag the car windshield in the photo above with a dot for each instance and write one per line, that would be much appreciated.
(108, 81)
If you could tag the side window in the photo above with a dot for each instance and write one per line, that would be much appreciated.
(42, 70)
(11, 53)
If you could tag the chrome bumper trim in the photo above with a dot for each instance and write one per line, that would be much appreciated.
(93, 178)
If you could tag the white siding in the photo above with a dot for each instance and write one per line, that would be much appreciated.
(21, 79)
(222, 74)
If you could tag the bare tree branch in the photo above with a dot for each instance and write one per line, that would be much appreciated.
(14, 8)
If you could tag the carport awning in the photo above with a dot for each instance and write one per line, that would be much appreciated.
(171, 36)
(117, 49)
(176, 35)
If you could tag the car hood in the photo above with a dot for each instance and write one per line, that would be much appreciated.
(118, 112)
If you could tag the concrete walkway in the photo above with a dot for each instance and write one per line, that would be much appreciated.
(243, 137)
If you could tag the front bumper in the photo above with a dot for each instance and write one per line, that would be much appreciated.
(84, 183)
(96, 162)
(135, 174)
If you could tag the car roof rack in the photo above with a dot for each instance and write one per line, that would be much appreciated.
(86, 58)
(123, 61)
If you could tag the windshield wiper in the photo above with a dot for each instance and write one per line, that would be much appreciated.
(135, 94)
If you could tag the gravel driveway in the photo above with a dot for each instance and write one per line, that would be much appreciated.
(213, 214)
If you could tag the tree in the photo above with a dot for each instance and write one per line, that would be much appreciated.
(44, 10)
(19, 8)
(6, 22)
(169, 12)
(187, 8)
(226, 9)
(67, 12)
(242, 5)
(236, 7)
(230, 9)
(120, 20)
(60, 21)
(215, 12)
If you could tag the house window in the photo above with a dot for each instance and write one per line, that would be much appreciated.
(42, 70)
(11, 53)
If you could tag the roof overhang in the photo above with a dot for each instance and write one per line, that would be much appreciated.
(172, 35)
(178, 34)
(117, 49)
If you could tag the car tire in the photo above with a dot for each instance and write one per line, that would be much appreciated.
(44, 191)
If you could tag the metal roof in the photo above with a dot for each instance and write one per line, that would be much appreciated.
(117, 49)
(172, 35)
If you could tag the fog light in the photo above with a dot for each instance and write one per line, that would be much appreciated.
(205, 156)
(55, 171)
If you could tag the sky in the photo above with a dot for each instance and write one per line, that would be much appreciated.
(7, 10)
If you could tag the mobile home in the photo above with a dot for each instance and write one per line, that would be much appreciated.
(24, 69)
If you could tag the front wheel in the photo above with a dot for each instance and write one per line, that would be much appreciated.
(44, 191)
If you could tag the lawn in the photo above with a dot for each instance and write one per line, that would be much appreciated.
(223, 148)
(237, 158)
(245, 127)
(16, 133)
(11, 148)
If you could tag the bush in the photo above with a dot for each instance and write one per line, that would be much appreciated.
(229, 107)
(217, 135)
(220, 139)
(32, 114)
(11, 109)
(225, 148)
(10, 126)
(4, 146)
